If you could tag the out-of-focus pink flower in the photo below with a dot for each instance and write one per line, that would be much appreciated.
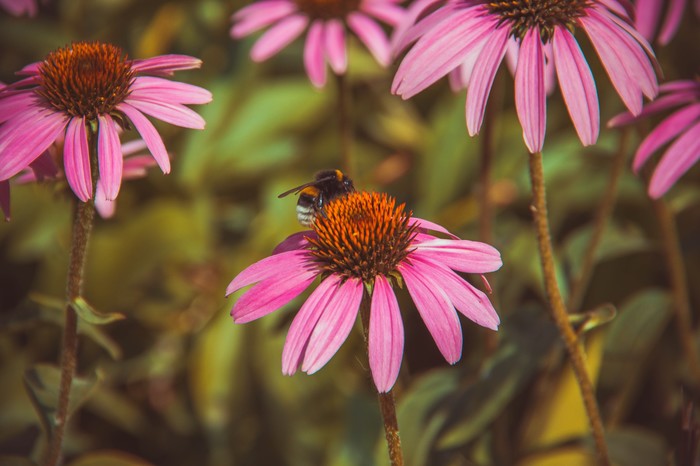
(660, 19)
(327, 24)
(362, 244)
(471, 38)
(681, 129)
(19, 7)
(92, 88)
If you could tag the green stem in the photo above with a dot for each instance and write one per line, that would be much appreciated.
(559, 314)
(344, 125)
(605, 209)
(387, 406)
(84, 214)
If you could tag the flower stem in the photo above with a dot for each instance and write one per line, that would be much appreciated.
(679, 284)
(605, 209)
(387, 406)
(561, 318)
(344, 126)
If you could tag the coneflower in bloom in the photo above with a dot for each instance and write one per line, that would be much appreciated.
(365, 242)
(681, 129)
(19, 7)
(327, 22)
(93, 88)
(660, 19)
(476, 33)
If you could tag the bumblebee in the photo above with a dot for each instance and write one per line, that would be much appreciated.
(314, 195)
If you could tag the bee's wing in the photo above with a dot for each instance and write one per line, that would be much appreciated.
(305, 185)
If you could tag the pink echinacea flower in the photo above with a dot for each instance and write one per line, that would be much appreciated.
(476, 34)
(362, 248)
(327, 23)
(92, 88)
(682, 127)
(649, 14)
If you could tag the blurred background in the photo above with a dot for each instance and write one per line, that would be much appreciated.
(177, 383)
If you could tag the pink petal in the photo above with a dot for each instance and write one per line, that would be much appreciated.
(166, 64)
(482, 77)
(335, 46)
(668, 129)
(334, 325)
(104, 207)
(271, 294)
(530, 96)
(26, 137)
(259, 15)
(577, 85)
(295, 241)
(386, 337)
(461, 255)
(12, 105)
(149, 134)
(109, 157)
(76, 159)
(436, 310)
(313, 54)
(470, 301)
(372, 35)
(135, 167)
(159, 89)
(386, 12)
(304, 323)
(170, 112)
(674, 15)
(292, 262)
(677, 160)
(428, 225)
(680, 85)
(134, 146)
(647, 13)
(278, 37)
(658, 105)
(409, 30)
(44, 166)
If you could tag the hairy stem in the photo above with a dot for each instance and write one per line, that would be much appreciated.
(387, 406)
(605, 210)
(559, 314)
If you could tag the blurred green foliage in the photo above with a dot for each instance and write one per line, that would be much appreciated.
(175, 382)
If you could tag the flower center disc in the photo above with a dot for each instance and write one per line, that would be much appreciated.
(328, 9)
(362, 235)
(85, 79)
(523, 15)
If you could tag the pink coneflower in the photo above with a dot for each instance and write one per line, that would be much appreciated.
(682, 127)
(654, 21)
(19, 7)
(327, 21)
(362, 244)
(92, 88)
(476, 34)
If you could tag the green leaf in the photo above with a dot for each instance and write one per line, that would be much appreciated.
(586, 321)
(42, 383)
(91, 315)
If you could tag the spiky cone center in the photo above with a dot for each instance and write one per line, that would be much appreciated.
(85, 79)
(362, 235)
(327, 9)
(523, 15)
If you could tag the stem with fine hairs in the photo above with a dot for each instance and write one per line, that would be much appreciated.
(605, 210)
(558, 311)
(83, 216)
(679, 284)
(344, 124)
(387, 406)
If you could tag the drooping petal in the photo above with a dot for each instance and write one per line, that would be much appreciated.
(154, 88)
(410, 28)
(647, 13)
(166, 64)
(104, 207)
(481, 80)
(271, 294)
(668, 129)
(149, 134)
(12, 105)
(335, 46)
(19, 146)
(386, 12)
(170, 112)
(292, 262)
(679, 157)
(461, 255)
(437, 312)
(305, 322)
(428, 225)
(372, 35)
(386, 336)
(259, 15)
(278, 37)
(658, 105)
(530, 96)
(313, 54)
(109, 157)
(674, 15)
(334, 325)
(295, 242)
(468, 300)
(76, 159)
(577, 85)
